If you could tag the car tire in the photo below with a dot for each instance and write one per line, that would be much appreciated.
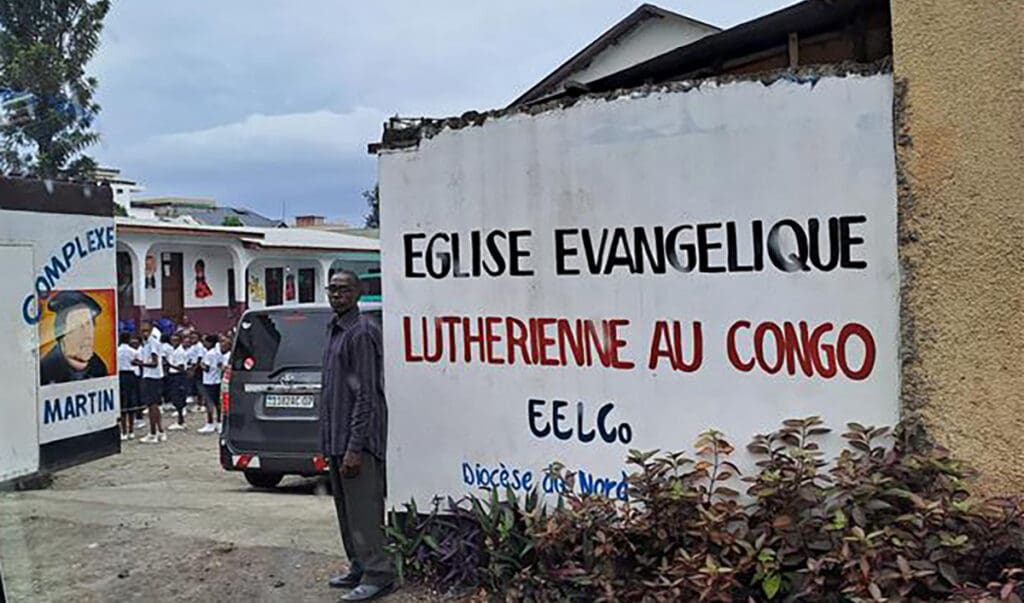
(259, 479)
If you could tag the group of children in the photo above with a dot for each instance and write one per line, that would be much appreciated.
(156, 369)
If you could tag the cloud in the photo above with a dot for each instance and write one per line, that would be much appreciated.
(316, 138)
(256, 102)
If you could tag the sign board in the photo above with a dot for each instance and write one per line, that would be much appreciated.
(19, 454)
(627, 273)
(62, 311)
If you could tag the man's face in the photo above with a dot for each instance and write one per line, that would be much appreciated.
(77, 342)
(343, 292)
(146, 331)
(225, 345)
(175, 340)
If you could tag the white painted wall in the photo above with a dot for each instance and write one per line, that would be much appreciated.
(122, 194)
(88, 265)
(152, 295)
(289, 266)
(19, 362)
(648, 40)
(219, 256)
(738, 152)
(217, 261)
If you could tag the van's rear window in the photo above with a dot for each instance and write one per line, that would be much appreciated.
(279, 340)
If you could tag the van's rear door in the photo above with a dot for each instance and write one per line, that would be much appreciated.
(275, 382)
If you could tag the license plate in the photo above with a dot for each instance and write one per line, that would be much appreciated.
(283, 401)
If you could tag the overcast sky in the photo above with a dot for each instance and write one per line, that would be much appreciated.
(254, 103)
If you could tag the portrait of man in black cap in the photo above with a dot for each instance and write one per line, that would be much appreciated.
(74, 357)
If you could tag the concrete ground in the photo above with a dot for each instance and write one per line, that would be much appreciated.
(166, 523)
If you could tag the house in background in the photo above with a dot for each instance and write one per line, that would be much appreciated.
(122, 188)
(316, 222)
(807, 33)
(645, 33)
(173, 268)
(199, 211)
(181, 256)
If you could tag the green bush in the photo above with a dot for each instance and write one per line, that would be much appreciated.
(890, 519)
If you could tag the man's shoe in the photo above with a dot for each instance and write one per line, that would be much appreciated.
(368, 592)
(349, 580)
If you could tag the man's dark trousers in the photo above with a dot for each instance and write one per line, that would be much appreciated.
(360, 504)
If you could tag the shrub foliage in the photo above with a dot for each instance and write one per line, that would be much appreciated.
(890, 519)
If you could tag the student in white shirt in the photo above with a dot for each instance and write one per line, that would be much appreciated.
(151, 388)
(136, 343)
(211, 365)
(165, 354)
(175, 380)
(128, 378)
(195, 354)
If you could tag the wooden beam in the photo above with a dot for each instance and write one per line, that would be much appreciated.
(794, 50)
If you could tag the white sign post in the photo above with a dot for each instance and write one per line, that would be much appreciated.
(627, 273)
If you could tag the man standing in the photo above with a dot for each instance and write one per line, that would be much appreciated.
(353, 433)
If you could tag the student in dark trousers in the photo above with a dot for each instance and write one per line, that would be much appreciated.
(152, 384)
(128, 377)
(353, 433)
(176, 381)
(193, 356)
(212, 366)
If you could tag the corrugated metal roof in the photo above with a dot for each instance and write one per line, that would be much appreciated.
(303, 238)
(644, 12)
(217, 215)
(805, 18)
(264, 238)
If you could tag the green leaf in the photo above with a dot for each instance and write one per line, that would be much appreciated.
(948, 572)
(429, 540)
(771, 585)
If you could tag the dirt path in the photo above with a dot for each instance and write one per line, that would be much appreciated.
(166, 523)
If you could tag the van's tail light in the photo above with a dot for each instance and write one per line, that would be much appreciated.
(225, 391)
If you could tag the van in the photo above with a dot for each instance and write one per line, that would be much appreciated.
(271, 393)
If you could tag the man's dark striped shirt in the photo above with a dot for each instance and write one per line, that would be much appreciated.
(353, 411)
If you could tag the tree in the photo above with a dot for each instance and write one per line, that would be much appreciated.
(44, 48)
(231, 221)
(372, 196)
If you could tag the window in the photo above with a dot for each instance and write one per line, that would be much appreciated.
(232, 297)
(275, 286)
(125, 282)
(368, 270)
(268, 342)
(307, 285)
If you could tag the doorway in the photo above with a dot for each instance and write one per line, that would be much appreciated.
(125, 285)
(172, 302)
(307, 285)
(274, 278)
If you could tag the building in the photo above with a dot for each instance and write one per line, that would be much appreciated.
(200, 211)
(958, 110)
(122, 188)
(211, 274)
(960, 155)
(810, 33)
(645, 33)
(320, 223)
